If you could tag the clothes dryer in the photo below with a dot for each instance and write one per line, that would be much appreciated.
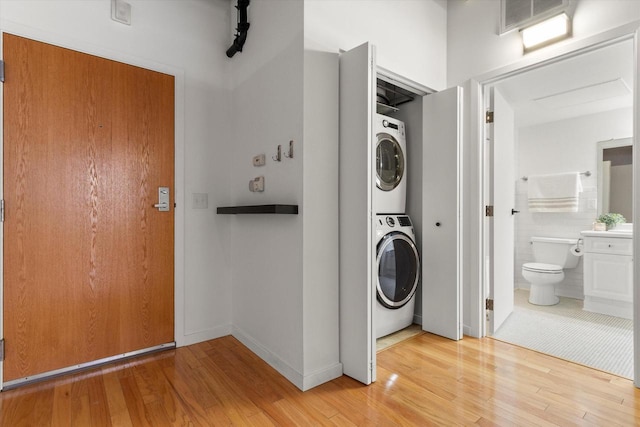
(391, 167)
(398, 264)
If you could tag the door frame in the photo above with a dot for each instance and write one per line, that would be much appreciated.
(480, 85)
(179, 159)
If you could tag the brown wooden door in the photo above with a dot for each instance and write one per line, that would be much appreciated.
(88, 260)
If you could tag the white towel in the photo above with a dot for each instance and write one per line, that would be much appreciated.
(554, 193)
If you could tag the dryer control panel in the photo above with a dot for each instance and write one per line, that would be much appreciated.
(386, 124)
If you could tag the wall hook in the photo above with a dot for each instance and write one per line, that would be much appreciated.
(290, 154)
(278, 156)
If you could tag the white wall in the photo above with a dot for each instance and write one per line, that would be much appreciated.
(563, 146)
(475, 47)
(285, 267)
(266, 261)
(409, 35)
(321, 229)
(187, 38)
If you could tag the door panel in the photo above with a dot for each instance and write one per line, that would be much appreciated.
(503, 219)
(88, 261)
(441, 214)
(357, 254)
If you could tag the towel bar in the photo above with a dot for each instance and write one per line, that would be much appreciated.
(586, 173)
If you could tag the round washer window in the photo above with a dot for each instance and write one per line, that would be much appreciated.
(398, 269)
(389, 162)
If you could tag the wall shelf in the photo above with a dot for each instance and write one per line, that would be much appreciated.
(259, 209)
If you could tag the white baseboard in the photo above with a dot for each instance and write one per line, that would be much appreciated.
(206, 335)
(466, 330)
(303, 382)
(322, 376)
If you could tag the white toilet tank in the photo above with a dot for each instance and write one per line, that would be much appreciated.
(552, 250)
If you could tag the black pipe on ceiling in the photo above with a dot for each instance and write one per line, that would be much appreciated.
(241, 30)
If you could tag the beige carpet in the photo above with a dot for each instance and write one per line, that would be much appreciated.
(568, 332)
(403, 334)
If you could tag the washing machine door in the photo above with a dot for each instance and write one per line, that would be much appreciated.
(389, 162)
(398, 269)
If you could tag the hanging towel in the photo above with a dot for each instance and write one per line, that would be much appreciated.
(554, 193)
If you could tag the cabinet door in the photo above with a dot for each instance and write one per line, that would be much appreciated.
(441, 214)
(357, 253)
(608, 276)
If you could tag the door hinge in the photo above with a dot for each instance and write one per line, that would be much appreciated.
(1, 210)
(2, 350)
(488, 304)
(488, 210)
(488, 117)
(1, 71)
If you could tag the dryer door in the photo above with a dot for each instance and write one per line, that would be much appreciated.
(398, 269)
(389, 162)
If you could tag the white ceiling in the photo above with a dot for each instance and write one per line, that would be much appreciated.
(592, 82)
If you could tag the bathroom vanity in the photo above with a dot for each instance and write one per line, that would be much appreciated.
(608, 272)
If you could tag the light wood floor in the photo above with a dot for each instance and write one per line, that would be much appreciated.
(426, 380)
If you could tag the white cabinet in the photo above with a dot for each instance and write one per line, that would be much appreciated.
(608, 273)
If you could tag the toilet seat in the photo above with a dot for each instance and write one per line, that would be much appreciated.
(538, 267)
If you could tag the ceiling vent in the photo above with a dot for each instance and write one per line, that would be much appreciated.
(517, 14)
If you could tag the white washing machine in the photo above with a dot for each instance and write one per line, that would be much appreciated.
(398, 273)
(391, 166)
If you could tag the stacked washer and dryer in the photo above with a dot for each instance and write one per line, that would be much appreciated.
(398, 260)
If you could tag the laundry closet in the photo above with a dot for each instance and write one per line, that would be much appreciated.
(397, 127)
(431, 123)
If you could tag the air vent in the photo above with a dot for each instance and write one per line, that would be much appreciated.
(390, 96)
(518, 14)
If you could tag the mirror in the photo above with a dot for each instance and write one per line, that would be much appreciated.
(615, 177)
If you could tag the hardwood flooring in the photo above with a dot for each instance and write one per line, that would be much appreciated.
(426, 380)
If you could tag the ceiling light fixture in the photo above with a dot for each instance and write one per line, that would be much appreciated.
(546, 32)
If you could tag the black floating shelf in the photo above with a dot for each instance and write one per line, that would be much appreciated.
(259, 209)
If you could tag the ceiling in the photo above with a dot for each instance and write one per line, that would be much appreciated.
(589, 83)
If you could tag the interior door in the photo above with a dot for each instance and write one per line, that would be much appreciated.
(357, 180)
(442, 214)
(88, 259)
(502, 257)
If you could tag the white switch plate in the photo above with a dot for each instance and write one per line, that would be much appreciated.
(200, 201)
(121, 11)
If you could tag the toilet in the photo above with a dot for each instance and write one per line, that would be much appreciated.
(552, 255)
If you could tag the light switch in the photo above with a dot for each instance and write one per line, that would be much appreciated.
(121, 11)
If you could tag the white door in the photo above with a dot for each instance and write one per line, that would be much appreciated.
(502, 256)
(357, 180)
(442, 214)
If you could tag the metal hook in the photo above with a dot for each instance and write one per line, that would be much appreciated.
(290, 154)
(278, 156)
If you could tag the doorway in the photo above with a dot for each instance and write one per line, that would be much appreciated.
(561, 111)
(88, 152)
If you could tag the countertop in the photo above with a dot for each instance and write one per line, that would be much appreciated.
(624, 234)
